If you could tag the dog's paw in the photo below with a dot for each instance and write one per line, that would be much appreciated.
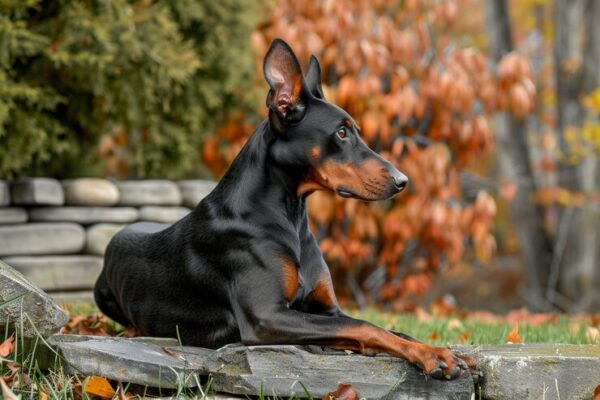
(440, 363)
(476, 373)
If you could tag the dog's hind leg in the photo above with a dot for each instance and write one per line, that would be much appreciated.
(107, 302)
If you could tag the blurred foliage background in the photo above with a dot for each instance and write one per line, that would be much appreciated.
(118, 87)
(492, 109)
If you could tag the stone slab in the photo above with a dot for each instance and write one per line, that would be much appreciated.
(98, 236)
(149, 192)
(237, 369)
(193, 191)
(279, 369)
(41, 238)
(36, 191)
(4, 194)
(537, 370)
(90, 192)
(167, 215)
(13, 215)
(84, 215)
(126, 360)
(21, 299)
(51, 273)
(526, 371)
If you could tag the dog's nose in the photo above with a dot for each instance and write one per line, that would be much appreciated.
(400, 180)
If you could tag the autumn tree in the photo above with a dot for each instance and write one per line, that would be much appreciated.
(421, 100)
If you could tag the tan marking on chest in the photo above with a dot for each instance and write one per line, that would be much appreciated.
(290, 278)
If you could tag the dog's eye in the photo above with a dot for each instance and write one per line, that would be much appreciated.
(342, 134)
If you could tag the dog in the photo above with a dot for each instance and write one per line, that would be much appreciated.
(243, 266)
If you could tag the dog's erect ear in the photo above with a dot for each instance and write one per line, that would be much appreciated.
(284, 76)
(313, 78)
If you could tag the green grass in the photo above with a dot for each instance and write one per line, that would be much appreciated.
(472, 331)
(436, 330)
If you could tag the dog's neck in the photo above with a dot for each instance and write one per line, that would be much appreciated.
(255, 182)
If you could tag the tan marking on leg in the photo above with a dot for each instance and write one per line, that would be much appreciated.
(369, 339)
(323, 292)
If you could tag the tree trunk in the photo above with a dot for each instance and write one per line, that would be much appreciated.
(576, 71)
(590, 263)
(513, 152)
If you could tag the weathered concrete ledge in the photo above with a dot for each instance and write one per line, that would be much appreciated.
(531, 371)
(537, 370)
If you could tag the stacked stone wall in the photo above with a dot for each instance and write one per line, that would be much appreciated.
(55, 232)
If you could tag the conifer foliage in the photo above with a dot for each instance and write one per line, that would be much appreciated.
(132, 84)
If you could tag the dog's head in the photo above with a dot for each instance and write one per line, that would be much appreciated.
(318, 138)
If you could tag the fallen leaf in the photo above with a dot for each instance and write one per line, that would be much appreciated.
(7, 394)
(592, 334)
(99, 386)
(455, 323)
(130, 331)
(442, 308)
(343, 392)
(513, 336)
(7, 346)
(422, 315)
(464, 337)
(596, 393)
(434, 335)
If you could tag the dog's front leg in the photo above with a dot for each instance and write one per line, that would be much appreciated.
(263, 318)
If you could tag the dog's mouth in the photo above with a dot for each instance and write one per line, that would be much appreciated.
(368, 196)
(346, 193)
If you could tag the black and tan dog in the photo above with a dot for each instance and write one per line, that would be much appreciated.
(243, 266)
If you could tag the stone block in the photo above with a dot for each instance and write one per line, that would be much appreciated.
(98, 236)
(90, 192)
(149, 192)
(235, 369)
(51, 273)
(36, 191)
(41, 238)
(166, 215)
(192, 191)
(24, 302)
(4, 194)
(537, 370)
(13, 215)
(149, 363)
(84, 215)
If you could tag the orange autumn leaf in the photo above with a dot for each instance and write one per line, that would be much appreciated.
(99, 386)
(592, 334)
(464, 337)
(343, 392)
(7, 346)
(434, 335)
(513, 336)
(455, 324)
(596, 393)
